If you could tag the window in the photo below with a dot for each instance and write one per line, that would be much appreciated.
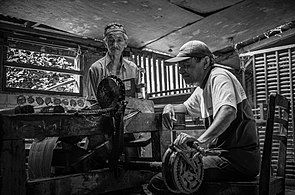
(36, 67)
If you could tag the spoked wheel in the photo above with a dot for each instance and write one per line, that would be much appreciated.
(182, 170)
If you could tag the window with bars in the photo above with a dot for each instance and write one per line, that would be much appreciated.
(36, 67)
(160, 80)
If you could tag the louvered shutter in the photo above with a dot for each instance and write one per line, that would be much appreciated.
(274, 71)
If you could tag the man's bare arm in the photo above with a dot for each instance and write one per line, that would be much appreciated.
(169, 114)
(222, 121)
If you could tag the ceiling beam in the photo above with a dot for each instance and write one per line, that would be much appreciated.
(51, 34)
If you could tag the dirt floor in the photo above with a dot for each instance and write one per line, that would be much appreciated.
(290, 190)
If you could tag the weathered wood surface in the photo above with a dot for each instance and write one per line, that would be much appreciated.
(171, 99)
(39, 125)
(144, 119)
(12, 167)
(200, 6)
(50, 125)
(142, 122)
(221, 33)
(144, 106)
(144, 20)
(94, 182)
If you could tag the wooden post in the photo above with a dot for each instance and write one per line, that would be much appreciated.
(156, 139)
(12, 162)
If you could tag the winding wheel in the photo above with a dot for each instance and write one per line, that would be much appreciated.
(182, 170)
(52, 156)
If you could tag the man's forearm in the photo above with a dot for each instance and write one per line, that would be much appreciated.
(180, 108)
(222, 121)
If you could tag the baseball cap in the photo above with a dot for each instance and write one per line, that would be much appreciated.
(114, 27)
(191, 49)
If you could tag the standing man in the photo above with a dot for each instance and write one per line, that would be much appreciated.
(113, 63)
(221, 100)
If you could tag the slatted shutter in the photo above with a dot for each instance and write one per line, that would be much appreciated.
(160, 80)
(274, 71)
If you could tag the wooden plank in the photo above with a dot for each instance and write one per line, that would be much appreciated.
(267, 50)
(144, 106)
(143, 165)
(157, 151)
(154, 74)
(173, 79)
(145, 66)
(171, 90)
(12, 164)
(42, 47)
(150, 80)
(160, 76)
(51, 125)
(291, 96)
(40, 157)
(27, 91)
(205, 7)
(156, 54)
(277, 72)
(94, 182)
(141, 122)
(2, 56)
(169, 81)
(171, 99)
(248, 14)
(68, 39)
(266, 74)
(143, 20)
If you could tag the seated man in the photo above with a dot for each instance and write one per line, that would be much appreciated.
(230, 126)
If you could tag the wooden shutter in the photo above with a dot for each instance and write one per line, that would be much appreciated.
(274, 71)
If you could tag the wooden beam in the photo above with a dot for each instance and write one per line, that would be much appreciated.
(41, 125)
(52, 35)
(43, 47)
(2, 57)
(27, 91)
(94, 182)
(267, 50)
(170, 99)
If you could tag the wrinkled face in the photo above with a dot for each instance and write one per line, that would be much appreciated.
(192, 70)
(115, 43)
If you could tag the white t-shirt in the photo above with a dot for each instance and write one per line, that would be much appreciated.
(222, 88)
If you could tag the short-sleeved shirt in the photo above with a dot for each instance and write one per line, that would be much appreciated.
(101, 69)
(240, 139)
(222, 88)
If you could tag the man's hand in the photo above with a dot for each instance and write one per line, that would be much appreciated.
(183, 139)
(168, 116)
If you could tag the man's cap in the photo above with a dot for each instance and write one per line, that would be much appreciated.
(114, 27)
(191, 49)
